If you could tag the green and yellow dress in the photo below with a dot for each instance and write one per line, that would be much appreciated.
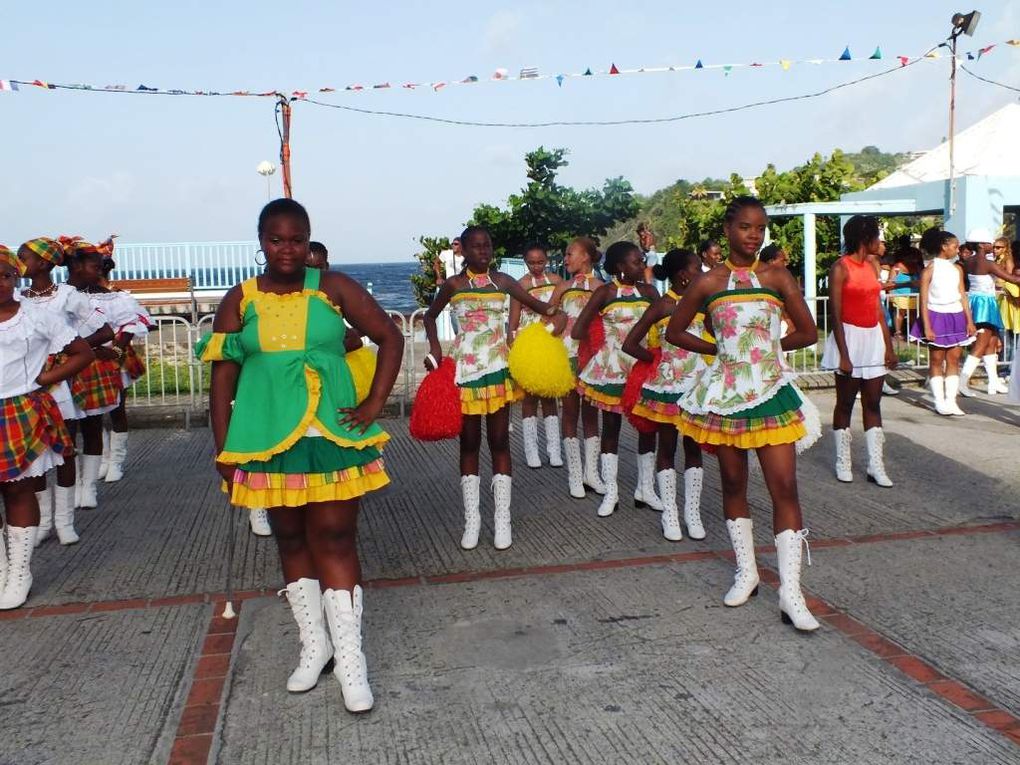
(284, 434)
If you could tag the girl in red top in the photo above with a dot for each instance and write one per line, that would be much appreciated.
(860, 346)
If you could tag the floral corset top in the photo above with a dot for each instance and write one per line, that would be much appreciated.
(543, 291)
(572, 301)
(749, 366)
(480, 311)
(678, 368)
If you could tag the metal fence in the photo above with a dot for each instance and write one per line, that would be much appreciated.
(175, 378)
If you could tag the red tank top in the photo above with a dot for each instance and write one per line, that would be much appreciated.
(860, 293)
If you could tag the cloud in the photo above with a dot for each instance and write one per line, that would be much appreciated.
(501, 31)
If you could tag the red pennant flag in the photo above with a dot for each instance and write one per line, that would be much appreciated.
(300, 94)
(613, 69)
(904, 60)
(42, 84)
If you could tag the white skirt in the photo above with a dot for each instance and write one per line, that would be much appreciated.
(866, 347)
(41, 465)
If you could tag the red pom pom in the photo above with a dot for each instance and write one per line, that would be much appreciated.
(436, 413)
(639, 375)
(591, 344)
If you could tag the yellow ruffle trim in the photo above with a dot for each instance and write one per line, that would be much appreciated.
(490, 399)
(307, 419)
(751, 440)
(318, 490)
(640, 410)
(600, 399)
(250, 292)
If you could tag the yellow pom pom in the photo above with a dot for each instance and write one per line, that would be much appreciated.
(539, 363)
(362, 365)
(654, 341)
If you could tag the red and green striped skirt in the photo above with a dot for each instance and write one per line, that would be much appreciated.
(29, 426)
(102, 384)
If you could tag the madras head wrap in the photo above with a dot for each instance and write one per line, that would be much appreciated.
(47, 249)
(9, 258)
(80, 247)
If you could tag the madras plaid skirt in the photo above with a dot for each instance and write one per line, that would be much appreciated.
(102, 384)
(29, 425)
(133, 364)
(77, 386)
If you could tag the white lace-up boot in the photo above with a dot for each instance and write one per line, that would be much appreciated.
(45, 500)
(876, 457)
(469, 489)
(745, 580)
(995, 385)
(611, 496)
(20, 543)
(970, 365)
(952, 388)
(552, 441)
(792, 606)
(63, 514)
(343, 612)
(501, 520)
(938, 393)
(258, 519)
(104, 466)
(575, 472)
(89, 475)
(693, 481)
(592, 479)
(644, 492)
(529, 431)
(118, 453)
(844, 462)
(316, 657)
(670, 514)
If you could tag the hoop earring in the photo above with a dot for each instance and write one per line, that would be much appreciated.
(257, 258)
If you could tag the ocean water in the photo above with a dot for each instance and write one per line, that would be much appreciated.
(390, 282)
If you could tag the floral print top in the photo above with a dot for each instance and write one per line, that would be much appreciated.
(572, 301)
(480, 347)
(749, 366)
(543, 291)
(610, 365)
(678, 368)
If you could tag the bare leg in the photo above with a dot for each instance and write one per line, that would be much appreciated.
(20, 504)
(331, 530)
(529, 406)
(611, 432)
(871, 402)
(590, 419)
(291, 542)
(733, 475)
(646, 443)
(568, 419)
(666, 457)
(692, 453)
(470, 443)
(846, 394)
(779, 465)
(497, 431)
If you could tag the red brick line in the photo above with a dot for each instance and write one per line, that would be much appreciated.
(504, 573)
(950, 690)
(195, 730)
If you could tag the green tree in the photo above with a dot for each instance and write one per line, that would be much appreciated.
(424, 283)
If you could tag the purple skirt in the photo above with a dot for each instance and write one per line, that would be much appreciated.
(950, 330)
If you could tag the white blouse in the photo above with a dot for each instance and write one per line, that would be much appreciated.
(67, 303)
(26, 341)
(120, 310)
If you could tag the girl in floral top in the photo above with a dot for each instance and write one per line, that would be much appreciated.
(601, 382)
(540, 284)
(478, 297)
(677, 371)
(571, 296)
(746, 399)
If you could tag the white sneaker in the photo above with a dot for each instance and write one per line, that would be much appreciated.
(258, 519)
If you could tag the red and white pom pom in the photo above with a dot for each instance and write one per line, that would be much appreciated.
(639, 375)
(591, 344)
(436, 413)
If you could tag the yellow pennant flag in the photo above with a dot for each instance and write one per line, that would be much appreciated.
(785, 63)
(1014, 43)
(933, 54)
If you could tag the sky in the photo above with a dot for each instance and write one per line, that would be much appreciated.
(176, 169)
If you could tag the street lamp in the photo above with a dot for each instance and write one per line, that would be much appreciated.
(266, 169)
(963, 24)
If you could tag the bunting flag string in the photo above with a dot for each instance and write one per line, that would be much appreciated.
(500, 75)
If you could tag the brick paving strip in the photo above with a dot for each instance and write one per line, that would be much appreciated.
(194, 736)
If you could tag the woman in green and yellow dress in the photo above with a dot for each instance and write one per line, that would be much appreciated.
(296, 441)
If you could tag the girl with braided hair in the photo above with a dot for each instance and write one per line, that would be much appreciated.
(745, 399)
(33, 437)
(66, 304)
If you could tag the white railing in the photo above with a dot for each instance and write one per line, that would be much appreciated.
(175, 378)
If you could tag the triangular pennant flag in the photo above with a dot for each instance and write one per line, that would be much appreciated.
(8, 85)
(500, 74)
(300, 94)
(410, 85)
(355, 87)
(699, 65)
(757, 64)
(983, 51)
(240, 93)
(845, 55)
(587, 72)
(970, 56)
(932, 54)
(327, 90)
(381, 86)
(559, 80)
(469, 79)
(904, 60)
(1014, 43)
(877, 54)
(437, 86)
(145, 89)
(41, 84)
(613, 69)
(785, 63)
(726, 70)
